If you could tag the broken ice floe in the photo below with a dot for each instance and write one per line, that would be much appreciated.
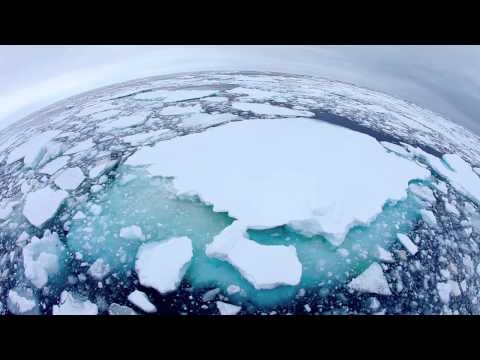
(42, 205)
(71, 304)
(372, 280)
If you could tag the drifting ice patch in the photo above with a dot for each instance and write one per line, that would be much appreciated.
(371, 280)
(266, 267)
(42, 258)
(34, 149)
(174, 95)
(161, 265)
(42, 205)
(227, 309)
(71, 305)
(140, 299)
(70, 179)
(133, 232)
(53, 166)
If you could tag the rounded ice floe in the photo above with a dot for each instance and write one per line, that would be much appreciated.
(41, 258)
(228, 309)
(70, 179)
(162, 264)
(140, 299)
(42, 205)
(99, 269)
(21, 302)
(372, 280)
(265, 266)
(70, 304)
(133, 232)
(447, 289)
(117, 309)
(306, 184)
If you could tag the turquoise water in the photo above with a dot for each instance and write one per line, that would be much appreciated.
(150, 203)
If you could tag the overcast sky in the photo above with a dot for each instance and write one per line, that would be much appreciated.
(445, 79)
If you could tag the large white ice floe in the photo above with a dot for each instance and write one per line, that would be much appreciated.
(34, 149)
(124, 122)
(42, 258)
(407, 243)
(73, 305)
(70, 179)
(372, 280)
(265, 266)
(314, 176)
(162, 264)
(42, 205)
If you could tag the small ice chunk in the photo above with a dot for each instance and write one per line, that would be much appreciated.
(19, 304)
(95, 209)
(34, 149)
(6, 209)
(70, 179)
(81, 146)
(79, 215)
(429, 217)
(133, 232)
(407, 243)
(99, 269)
(449, 207)
(162, 264)
(53, 166)
(41, 258)
(210, 295)
(343, 252)
(22, 238)
(228, 309)
(447, 289)
(384, 255)
(233, 289)
(101, 168)
(371, 280)
(423, 192)
(71, 305)
(41, 205)
(140, 299)
(117, 309)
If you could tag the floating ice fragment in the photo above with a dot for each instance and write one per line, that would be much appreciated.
(42, 205)
(70, 179)
(429, 218)
(41, 258)
(117, 309)
(133, 232)
(99, 269)
(71, 305)
(423, 192)
(265, 266)
(81, 146)
(210, 295)
(162, 264)
(102, 167)
(233, 289)
(384, 255)
(407, 243)
(447, 289)
(33, 150)
(140, 299)
(20, 303)
(371, 280)
(53, 166)
(228, 309)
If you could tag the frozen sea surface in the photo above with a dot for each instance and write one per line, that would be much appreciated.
(238, 193)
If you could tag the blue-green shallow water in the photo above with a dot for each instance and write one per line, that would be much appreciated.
(149, 203)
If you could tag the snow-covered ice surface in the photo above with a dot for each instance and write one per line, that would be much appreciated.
(296, 194)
